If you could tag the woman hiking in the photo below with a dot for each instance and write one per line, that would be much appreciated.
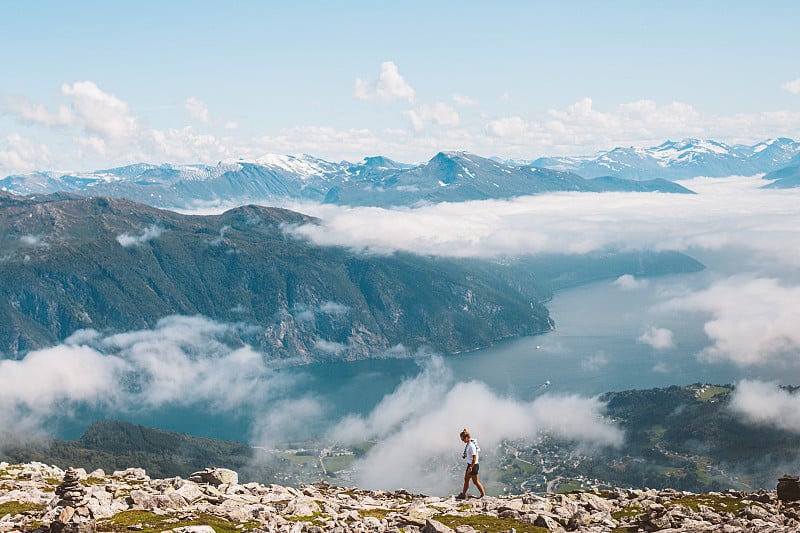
(470, 455)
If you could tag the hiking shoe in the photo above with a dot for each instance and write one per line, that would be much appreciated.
(461, 496)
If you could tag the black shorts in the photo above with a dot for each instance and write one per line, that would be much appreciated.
(475, 469)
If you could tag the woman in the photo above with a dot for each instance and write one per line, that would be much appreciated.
(471, 456)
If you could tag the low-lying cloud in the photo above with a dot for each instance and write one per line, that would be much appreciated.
(658, 338)
(753, 321)
(182, 361)
(766, 404)
(416, 428)
(727, 213)
(151, 232)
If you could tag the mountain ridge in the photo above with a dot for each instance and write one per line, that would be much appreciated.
(374, 181)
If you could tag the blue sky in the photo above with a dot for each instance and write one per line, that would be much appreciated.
(88, 85)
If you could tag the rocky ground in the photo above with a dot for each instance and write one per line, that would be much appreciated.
(42, 498)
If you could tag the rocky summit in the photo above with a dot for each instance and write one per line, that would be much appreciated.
(43, 498)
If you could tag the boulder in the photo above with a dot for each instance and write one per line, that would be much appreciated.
(216, 477)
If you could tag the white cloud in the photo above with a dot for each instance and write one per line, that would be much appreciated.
(197, 109)
(333, 308)
(329, 347)
(182, 361)
(440, 113)
(99, 112)
(766, 404)
(287, 420)
(38, 114)
(33, 241)
(753, 321)
(658, 338)
(22, 154)
(727, 213)
(151, 232)
(389, 86)
(461, 100)
(34, 387)
(628, 282)
(792, 86)
(430, 410)
(595, 362)
(507, 127)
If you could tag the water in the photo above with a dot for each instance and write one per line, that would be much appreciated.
(594, 349)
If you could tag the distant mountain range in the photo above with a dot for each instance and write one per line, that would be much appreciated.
(374, 181)
(72, 263)
(447, 177)
(688, 158)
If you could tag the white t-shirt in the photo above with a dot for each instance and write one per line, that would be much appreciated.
(470, 450)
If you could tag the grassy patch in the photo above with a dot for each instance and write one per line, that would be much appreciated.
(154, 523)
(316, 515)
(489, 524)
(338, 462)
(16, 507)
(380, 514)
(627, 512)
(719, 504)
(707, 394)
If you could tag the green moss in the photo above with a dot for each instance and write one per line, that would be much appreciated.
(627, 512)
(154, 523)
(489, 524)
(17, 507)
(315, 516)
(719, 504)
(380, 514)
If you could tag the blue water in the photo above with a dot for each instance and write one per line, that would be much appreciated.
(594, 349)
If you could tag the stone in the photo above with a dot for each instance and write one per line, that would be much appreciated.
(434, 526)
(216, 477)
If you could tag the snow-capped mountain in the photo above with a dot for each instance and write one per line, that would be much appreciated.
(374, 181)
(679, 160)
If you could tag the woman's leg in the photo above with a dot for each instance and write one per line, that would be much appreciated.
(477, 484)
(466, 484)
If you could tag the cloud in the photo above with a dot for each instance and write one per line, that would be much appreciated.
(766, 404)
(333, 308)
(507, 127)
(753, 321)
(792, 86)
(658, 338)
(37, 113)
(151, 232)
(22, 154)
(462, 100)
(420, 421)
(46, 380)
(390, 86)
(287, 420)
(595, 362)
(328, 347)
(197, 109)
(628, 282)
(34, 241)
(182, 361)
(440, 113)
(725, 214)
(99, 112)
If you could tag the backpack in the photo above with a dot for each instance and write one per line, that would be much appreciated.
(789, 488)
(475, 443)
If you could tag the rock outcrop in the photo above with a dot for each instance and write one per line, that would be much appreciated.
(38, 497)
